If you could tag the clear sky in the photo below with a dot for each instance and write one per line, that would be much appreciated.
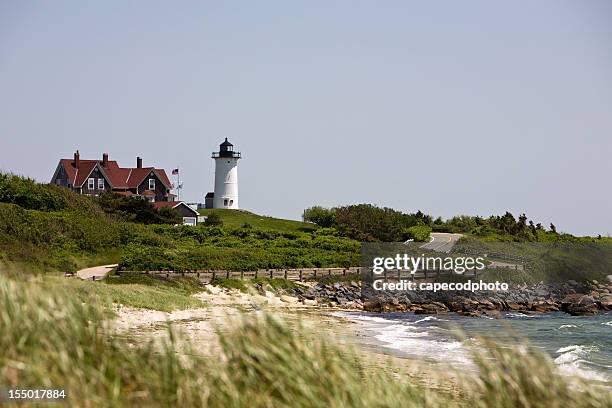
(471, 107)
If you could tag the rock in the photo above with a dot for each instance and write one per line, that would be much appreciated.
(341, 300)
(543, 307)
(492, 313)
(486, 304)
(609, 278)
(373, 305)
(606, 302)
(288, 299)
(469, 313)
(513, 306)
(582, 310)
(310, 302)
(431, 308)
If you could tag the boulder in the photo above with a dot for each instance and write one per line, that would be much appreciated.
(606, 302)
(431, 308)
(310, 302)
(288, 299)
(492, 313)
(514, 306)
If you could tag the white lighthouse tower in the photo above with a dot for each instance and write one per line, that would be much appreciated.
(226, 176)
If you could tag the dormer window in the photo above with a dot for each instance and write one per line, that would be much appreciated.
(151, 184)
(91, 183)
(100, 184)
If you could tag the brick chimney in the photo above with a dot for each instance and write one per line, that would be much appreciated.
(105, 160)
(77, 159)
(139, 162)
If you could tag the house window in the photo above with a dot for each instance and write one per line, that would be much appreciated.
(100, 184)
(231, 202)
(90, 183)
(151, 184)
(225, 202)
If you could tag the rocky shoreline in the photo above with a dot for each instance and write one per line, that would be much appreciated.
(577, 299)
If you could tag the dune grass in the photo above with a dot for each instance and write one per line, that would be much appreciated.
(136, 290)
(50, 338)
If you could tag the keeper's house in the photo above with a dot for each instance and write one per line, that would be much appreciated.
(93, 177)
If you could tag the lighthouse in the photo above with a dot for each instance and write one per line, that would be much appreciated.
(226, 177)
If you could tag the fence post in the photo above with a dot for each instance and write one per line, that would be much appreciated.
(285, 274)
(256, 273)
(227, 273)
(329, 272)
(241, 275)
(315, 272)
(300, 275)
(214, 274)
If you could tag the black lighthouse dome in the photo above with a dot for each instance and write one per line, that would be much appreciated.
(226, 149)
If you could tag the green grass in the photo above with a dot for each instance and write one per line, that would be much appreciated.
(137, 291)
(238, 218)
(52, 339)
(278, 283)
(237, 284)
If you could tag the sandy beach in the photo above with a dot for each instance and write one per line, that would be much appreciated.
(226, 308)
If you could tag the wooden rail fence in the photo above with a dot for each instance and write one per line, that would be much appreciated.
(299, 274)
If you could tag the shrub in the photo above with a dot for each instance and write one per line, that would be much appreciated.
(323, 217)
(213, 219)
(418, 233)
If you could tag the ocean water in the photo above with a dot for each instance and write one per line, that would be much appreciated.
(580, 346)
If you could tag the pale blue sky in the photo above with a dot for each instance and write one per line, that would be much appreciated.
(471, 107)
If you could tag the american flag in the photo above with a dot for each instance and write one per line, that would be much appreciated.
(175, 172)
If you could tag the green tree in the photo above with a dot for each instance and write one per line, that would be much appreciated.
(323, 217)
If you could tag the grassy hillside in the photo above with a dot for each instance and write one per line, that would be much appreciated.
(48, 228)
(240, 218)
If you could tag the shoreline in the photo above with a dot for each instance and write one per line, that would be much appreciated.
(226, 308)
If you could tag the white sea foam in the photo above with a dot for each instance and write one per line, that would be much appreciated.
(411, 340)
(356, 318)
(609, 323)
(572, 359)
(428, 318)
(567, 326)
(520, 315)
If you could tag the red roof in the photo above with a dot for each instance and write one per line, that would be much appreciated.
(118, 177)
